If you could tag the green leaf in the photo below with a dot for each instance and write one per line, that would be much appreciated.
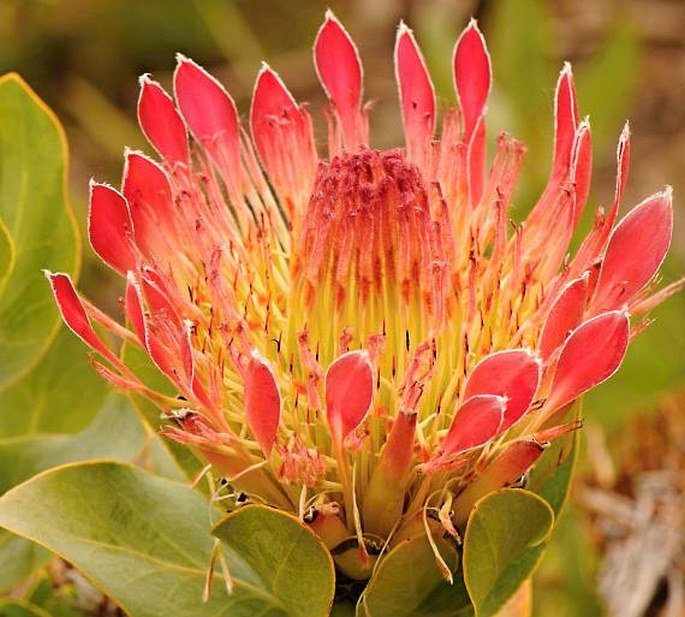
(550, 478)
(61, 598)
(290, 562)
(61, 394)
(7, 253)
(504, 540)
(143, 540)
(141, 364)
(19, 559)
(19, 608)
(408, 583)
(117, 433)
(38, 229)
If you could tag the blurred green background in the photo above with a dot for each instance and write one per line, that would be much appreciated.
(83, 57)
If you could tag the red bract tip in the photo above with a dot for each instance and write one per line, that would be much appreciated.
(262, 402)
(622, 165)
(110, 228)
(283, 135)
(74, 314)
(210, 113)
(594, 243)
(636, 249)
(340, 72)
(564, 316)
(477, 421)
(514, 374)
(592, 354)
(272, 107)
(165, 335)
(417, 95)
(146, 188)
(581, 168)
(566, 119)
(349, 392)
(472, 76)
(161, 122)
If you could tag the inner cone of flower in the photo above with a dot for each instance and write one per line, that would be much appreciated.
(360, 336)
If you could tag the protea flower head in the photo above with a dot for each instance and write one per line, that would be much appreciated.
(357, 336)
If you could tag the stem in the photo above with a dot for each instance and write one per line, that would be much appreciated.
(346, 481)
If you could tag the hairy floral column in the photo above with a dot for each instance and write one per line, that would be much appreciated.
(359, 337)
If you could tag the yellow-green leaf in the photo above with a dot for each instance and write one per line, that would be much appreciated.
(116, 433)
(289, 561)
(408, 583)
(143, 540)
(19, 608)
(61, 394)
(504, 541)
(38, 229)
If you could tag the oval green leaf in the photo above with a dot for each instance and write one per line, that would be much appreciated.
(290, 562)
(61, 394)
(504, 540)
(38, 228)
(141, 539)
(408, 583)
(116, 433)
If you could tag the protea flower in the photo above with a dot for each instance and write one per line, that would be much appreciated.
(357, 337)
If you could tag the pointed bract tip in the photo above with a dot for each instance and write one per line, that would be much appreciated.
(533, 354)
(502, 401)
(331, 17)
(349, 392)
(591, 354)
(473, 27)
(330, 21)
(181, 59)
(537, 358)
(264, 71)
(93, 183)
(402, 27)
(130, 152)
(146, 79)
